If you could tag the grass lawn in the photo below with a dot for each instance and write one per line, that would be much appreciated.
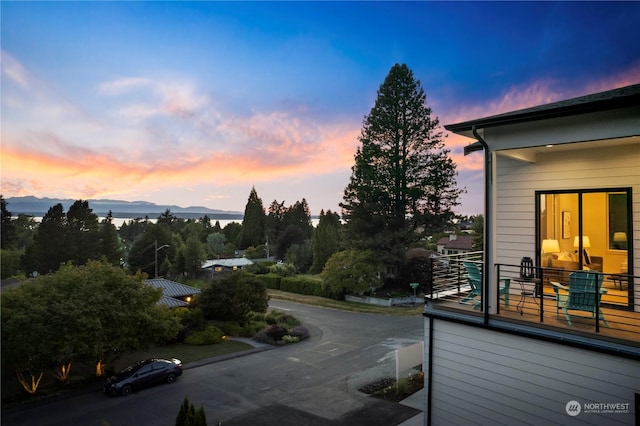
(185, 353)
(346, 306)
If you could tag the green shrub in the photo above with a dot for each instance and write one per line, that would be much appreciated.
(229, 328)
(302, 285)
(281, 318)
(272, 317)
(255, 316)
(276, 332)
(290, 339)
(191, 318)
(283, 269)
(208, 336)
(271, 281)
(252, 328)
(300, 332)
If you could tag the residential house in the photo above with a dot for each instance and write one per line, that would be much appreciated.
(174, 295)
(219, 265)
(562, 194)
(455, 244)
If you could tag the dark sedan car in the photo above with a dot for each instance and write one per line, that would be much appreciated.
(143, 374)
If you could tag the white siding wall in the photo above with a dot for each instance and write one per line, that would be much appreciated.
(517, 181)
(481, 376)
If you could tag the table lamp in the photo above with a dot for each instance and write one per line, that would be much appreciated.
(548, 247)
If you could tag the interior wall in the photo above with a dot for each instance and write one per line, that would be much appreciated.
(595, 226)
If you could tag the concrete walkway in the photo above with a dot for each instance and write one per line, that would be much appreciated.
(415, 401)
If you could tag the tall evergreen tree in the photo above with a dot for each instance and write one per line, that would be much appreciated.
(299, 215)
(326, 240)
(275, 221)
(205, 230)
(46, 253)
(402, 175)
(253, 225)
(110, 246)
(142, 255)
(194, 255)
(82, 236)
(8, 231)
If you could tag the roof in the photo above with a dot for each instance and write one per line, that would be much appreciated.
(227, 263)
(172, 288)
(461, 242)
(623, 97)
(172, 302)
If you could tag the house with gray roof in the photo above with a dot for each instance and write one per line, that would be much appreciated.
(218, 265)
(174, 294)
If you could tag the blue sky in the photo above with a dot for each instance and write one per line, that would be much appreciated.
(196, 103)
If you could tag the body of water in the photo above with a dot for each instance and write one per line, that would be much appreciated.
(119, 221)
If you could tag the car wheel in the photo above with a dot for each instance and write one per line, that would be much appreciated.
(126, 390)
(171, 378)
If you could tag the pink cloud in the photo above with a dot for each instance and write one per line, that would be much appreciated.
(13, 69)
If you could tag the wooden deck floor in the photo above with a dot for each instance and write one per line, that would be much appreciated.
(624, 325)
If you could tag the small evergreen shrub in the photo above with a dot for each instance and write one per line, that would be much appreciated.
(208, 336)
(188, 416)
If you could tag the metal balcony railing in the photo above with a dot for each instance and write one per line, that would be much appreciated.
(537, 301)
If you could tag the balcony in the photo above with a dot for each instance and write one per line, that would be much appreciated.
(534, 311)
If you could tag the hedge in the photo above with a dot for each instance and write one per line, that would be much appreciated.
(272, 281)
(302, 285)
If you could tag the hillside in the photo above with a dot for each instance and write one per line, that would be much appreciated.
(39, 206)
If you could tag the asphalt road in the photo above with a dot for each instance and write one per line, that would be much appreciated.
(313, 382)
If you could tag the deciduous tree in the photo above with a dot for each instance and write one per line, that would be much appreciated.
(81, 313)
(232, 298)
(351, 271)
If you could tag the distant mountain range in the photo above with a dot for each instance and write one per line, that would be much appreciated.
(38, 207)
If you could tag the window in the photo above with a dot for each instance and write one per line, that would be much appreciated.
(618, 221)
(587, 229)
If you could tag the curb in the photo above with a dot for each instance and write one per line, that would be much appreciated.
(232, 355)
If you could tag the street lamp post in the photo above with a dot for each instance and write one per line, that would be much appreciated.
(156, 257)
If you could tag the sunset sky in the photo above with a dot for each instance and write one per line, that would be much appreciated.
(193, 104)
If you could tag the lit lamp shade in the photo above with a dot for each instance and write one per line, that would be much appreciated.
(620, 237)
(550, 246)
(585, 242)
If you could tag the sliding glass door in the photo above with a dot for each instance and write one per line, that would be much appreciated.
(587, 229)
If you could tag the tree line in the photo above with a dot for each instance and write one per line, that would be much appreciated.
(400, 196)
(402, 191)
